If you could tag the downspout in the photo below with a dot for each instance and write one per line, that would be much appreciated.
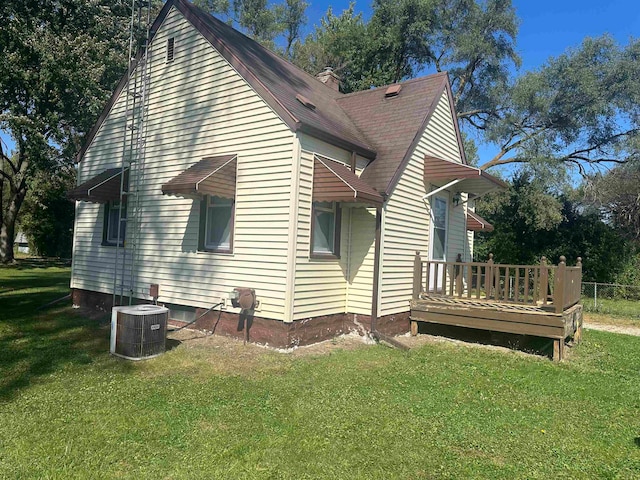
(375, 334)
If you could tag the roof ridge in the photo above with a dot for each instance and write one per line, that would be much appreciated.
(262, 47)
(411, 80)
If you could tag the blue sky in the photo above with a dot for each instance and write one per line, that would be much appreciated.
(547, 28)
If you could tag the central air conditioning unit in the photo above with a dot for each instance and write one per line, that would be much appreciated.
(138, 332)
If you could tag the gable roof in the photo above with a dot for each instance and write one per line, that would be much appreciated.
(276, 80)
(394, 124)
(377, 127)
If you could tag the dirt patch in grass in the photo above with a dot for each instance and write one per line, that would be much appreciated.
(605, 319)
(607, 327)
(201, 355)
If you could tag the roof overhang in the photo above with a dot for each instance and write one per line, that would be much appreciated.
(102, 188)
(476, 223)
(459, 177)
(210, 176)
(335, 182)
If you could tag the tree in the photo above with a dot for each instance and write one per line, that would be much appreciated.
(61, 60)
(338, 42)
(47, 216)
(617, 194)
(531, 221)
(263, 22)
(474, 41)
(579, 110)
(292, 17)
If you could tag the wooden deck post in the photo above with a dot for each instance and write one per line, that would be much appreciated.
(458, 270)
(559, 287)
(417, 276)
(488, 277)
(544, 280)
(558, 349)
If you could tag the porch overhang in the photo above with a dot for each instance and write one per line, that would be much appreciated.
(210, 176)
(102, 188)
(462, 178)
(476, 223)
(334, 182)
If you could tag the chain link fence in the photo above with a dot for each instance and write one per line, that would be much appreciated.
(611, 299)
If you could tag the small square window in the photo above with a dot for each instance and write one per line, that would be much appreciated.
(170, 49)
(325, 229)
(216, 224)
(113, 212)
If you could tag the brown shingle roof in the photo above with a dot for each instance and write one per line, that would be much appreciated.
(394, 123)
(373, 125)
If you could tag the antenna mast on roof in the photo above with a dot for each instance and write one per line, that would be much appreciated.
(136, 94)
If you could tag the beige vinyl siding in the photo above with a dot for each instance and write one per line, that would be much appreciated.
(361, 255)
(198, 106)
(406, 216)
(330, 286)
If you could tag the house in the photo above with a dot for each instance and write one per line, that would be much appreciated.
(21, 243)
(258, 175)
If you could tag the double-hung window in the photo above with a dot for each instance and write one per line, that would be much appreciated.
(113, 212)
(216, 224)
(325, 229)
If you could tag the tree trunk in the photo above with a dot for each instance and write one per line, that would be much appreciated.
(8, 227)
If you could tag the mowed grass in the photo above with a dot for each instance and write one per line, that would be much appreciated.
(613, 311)
(225, 410)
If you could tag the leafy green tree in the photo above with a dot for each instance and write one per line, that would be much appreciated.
(47, 217)
(617, 194)
(531, 221)
(292, 18)
(580, 110)
(61, 60)
(339, 42)
(266, 23)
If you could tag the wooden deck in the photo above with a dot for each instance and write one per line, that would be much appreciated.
(516, 299)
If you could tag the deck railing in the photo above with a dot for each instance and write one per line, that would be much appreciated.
(556, 287)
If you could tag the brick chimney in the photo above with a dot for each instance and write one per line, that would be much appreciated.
(329, 78)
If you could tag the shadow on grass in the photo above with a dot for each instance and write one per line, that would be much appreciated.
(35, 343)
(38, 345)
(637, 441)
(523, 343)
(38, 262)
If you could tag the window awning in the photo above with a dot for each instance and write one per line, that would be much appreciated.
(334, 182)
(477, 224)
(210, 176)
(102, 188)
(460, 177)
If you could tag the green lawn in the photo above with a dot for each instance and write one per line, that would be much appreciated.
(69, 410)
(628, 310)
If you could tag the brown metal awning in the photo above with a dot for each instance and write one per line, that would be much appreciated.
(210, 176)
(102, 188)
(477, 224)
(334, 182)
(460, 177)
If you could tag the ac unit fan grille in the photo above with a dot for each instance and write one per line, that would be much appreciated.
(140, 336)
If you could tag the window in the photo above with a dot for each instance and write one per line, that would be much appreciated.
(170, 45)
(216, 224)
(325, 229)
(439, 228)
(111, 216)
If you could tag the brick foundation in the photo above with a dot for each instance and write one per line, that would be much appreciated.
(274, 333)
